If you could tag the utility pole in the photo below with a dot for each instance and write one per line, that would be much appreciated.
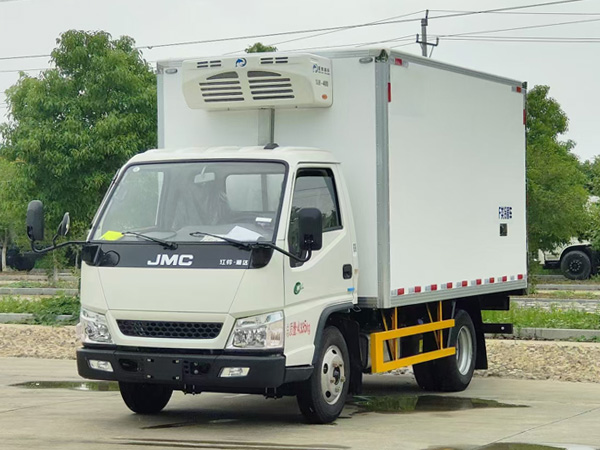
(423, 41)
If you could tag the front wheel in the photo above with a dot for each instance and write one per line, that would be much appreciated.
(144, 398)
(453, 373)
(321, 398)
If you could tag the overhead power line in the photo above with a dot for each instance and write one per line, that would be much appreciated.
(523, 13)
(324, 30)
(336, 31)
(527, 27)
(347, 27)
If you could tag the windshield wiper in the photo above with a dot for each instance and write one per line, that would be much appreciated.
(245, 245)
(165, 244)
(251, 245)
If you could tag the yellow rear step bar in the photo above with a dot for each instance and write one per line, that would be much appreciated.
(380, 339)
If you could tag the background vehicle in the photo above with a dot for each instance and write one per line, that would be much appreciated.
(289, 270)
(577, 260)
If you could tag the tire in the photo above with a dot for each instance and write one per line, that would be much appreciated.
(322, 397)
(576, 265)
(143, 398)
(453, 373)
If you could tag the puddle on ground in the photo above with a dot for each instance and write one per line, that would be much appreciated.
(102, 386)
(224, 444)
(425, 403)
(521, 446)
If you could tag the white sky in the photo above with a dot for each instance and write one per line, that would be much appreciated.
(572, 70)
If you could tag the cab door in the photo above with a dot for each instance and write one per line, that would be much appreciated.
(327, 278)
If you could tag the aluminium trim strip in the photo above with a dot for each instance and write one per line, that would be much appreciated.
(469, 291)
(382, 79)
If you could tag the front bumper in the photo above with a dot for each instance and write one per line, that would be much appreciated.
(190, 372)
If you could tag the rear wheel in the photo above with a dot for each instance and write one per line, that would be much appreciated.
(576, 265)
(453, 373)
(321, 398)
(144, 398)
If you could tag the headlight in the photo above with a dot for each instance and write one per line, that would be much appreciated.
(93, 328)
(258, 332)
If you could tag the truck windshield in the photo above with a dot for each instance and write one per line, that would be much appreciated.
(238, 200)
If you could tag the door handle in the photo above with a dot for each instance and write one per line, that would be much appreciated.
(347, 271)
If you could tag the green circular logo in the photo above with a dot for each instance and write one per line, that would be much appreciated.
(298, 287)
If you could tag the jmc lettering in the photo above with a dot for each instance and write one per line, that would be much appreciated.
(171, 260)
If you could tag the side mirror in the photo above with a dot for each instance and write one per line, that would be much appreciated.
(310, 229)
(35, 221)
(64, 226)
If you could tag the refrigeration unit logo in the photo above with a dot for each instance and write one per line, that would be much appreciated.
(172, 260)
(241, 62)
(320, 69)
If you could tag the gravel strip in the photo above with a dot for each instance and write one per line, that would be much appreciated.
(37, 341)
(533, 360)
(543, 360)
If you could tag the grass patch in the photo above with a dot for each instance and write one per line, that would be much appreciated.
(538, 317)
(42, 284)
(44, 310)
(569, 295)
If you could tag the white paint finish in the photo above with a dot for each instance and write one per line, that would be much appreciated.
(260, 290)
(185, 127)
(347, 129)
(170, 290)
(91, 292)
(322, 285)
(457, 153)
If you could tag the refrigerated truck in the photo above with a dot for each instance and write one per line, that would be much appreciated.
(307, 219)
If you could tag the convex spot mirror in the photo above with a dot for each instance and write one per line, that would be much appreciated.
(310, 228)
(65, 225)
(35, 221)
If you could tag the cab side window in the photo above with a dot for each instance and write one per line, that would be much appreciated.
(314, 188)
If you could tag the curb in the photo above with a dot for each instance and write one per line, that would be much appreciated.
(568, 287)
(19, 317)
(550, 334)
(38, 291)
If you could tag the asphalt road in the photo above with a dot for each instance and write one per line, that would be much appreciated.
(551, 412)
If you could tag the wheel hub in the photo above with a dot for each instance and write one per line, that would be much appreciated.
(464, 350)
(575, 266)
(333, 375)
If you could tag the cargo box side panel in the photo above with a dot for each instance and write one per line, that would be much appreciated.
(180, 126)
(347, 129)
(457, 185)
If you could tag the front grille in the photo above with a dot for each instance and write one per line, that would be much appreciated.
(172, 330)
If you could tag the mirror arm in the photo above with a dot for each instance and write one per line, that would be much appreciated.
(54, 246)
(288, 254)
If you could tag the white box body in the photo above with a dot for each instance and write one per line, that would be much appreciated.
(434, 160)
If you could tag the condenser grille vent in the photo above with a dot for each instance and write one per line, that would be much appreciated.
(207, 64)
(222, 87)
(270, 88)
(274, 60)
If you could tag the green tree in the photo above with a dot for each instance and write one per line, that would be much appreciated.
(11, 211)
(74, 125)
(556, 196)
(260, 48)
(591, 169)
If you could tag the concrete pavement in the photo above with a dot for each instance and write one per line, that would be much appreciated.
(553, 412)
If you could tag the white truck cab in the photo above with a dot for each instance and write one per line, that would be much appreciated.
(308, 219)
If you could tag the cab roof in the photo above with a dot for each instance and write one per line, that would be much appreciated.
(292, 155)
